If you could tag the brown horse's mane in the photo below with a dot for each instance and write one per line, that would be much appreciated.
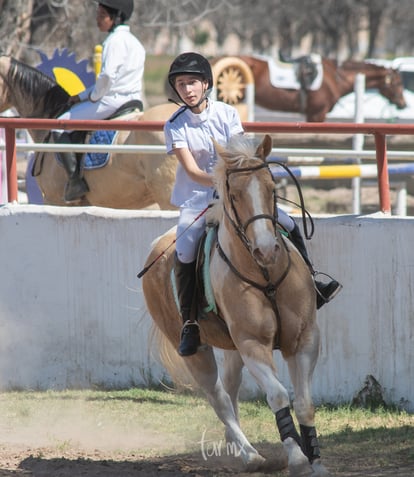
(358, 65)
(46, 95)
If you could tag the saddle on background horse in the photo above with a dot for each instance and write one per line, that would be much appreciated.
(302, 73)
(92, 160)
(305, 67)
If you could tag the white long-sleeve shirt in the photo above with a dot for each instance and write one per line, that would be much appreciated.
(123, 58)
(194, 131)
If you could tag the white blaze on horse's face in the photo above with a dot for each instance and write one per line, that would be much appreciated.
(262, 234)
(393, 89)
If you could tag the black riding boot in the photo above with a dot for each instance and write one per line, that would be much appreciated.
(76, 187)
(324, 291)
(185, 276)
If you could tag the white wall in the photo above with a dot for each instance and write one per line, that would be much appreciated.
(72, 312)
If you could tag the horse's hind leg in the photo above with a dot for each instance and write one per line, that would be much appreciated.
(301, 367)
(203, 368)
(232, 377)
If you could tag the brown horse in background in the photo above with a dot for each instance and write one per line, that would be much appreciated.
(337, 82)
(127, 181)
(256, 278)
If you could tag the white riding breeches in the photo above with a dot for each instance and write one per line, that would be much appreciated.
(189, 233)
(102, 109)
(285, 220)
(188, 236)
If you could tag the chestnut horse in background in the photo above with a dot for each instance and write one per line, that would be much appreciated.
(338, 80)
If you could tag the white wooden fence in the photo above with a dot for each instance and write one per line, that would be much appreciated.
(72, 312)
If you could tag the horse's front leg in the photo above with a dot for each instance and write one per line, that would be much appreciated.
(301, 367)
(203, 368)
(258, 359)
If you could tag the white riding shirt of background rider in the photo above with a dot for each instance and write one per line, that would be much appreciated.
(120, 80)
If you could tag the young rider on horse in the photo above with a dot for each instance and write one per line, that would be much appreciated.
(188, 135)
(119, 82)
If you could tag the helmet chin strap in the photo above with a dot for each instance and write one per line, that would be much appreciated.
(204, 98)
(186, 106)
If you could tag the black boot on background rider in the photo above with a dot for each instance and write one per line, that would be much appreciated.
(76, 187)
(185, 277)
(324, 291)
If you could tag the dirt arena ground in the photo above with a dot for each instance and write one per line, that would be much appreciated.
(25, 459)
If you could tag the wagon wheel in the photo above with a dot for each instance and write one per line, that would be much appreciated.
(231, 76)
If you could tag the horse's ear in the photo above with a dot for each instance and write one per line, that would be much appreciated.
(221, 151)
(264, 148)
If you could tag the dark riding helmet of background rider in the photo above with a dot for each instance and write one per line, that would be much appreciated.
(118, 9)
(190, 64)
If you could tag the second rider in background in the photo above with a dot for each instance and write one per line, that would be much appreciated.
(119, 82)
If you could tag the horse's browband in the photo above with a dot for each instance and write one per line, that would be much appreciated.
(247, 169)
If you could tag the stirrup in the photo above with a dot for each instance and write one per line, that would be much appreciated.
(333, 287)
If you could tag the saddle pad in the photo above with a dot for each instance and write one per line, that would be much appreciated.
(94, 160)
(282, 76)
(207, 244)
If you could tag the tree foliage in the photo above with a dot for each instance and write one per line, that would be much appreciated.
(330, 27)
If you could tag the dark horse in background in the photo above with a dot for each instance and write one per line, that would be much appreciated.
(127, 181)
(338, 80)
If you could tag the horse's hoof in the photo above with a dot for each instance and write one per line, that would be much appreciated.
(301, 471)
(319, 470)
(255, 463)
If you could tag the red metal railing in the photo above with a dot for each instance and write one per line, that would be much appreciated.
(379, 131)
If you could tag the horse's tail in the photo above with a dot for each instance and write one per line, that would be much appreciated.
(168, 356)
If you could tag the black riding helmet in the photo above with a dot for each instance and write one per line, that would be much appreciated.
(124, 7)
(188, 64)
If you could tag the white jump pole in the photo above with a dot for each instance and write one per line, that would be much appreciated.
(358, 139)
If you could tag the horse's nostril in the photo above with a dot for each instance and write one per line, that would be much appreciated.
(257, 254)
(265, 257)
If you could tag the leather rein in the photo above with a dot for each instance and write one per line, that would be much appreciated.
(270, 289)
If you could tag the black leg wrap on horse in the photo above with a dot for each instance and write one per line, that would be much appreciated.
(286, 425)
(310, 444)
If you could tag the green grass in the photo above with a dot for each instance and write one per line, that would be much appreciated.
(151, 407)
(155, 74)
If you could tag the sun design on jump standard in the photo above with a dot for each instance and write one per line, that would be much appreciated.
(73, 76)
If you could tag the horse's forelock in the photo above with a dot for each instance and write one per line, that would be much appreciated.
(240, 152)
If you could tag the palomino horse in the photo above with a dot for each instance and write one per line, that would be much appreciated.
(128, 181)
(256, 277)
(337, 82)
